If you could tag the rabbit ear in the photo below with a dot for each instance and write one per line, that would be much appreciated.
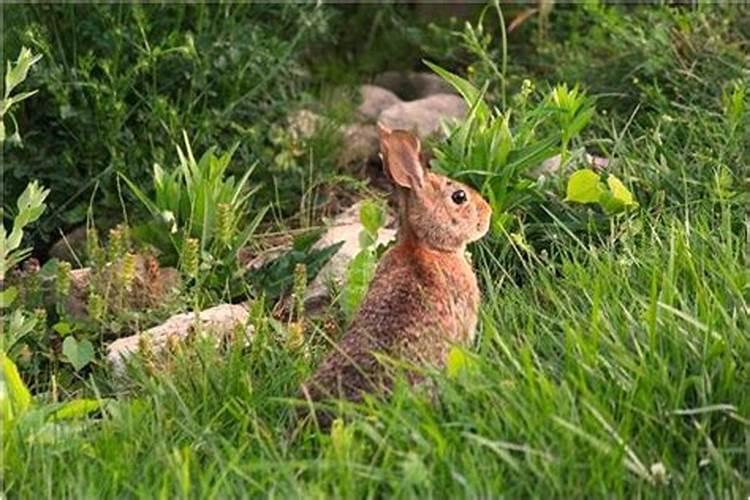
(400, 153)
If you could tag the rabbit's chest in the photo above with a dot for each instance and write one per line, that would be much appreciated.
(461, 302)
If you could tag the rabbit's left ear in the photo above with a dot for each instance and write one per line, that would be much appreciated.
(400, 153)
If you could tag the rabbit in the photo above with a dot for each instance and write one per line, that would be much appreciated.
(424, 297)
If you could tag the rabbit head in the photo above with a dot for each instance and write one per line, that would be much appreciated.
(436, 211)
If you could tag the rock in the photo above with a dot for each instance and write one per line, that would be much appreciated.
(151, 286)
(427, 84)
(409, 85)
(423, 116)
(344, 227)
(219, 322)
(360, 142)
(374, 100)
(71, 247)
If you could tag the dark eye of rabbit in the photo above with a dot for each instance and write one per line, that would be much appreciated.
(459, 197)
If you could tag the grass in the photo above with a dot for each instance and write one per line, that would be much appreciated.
(586, 377)
(612, 361)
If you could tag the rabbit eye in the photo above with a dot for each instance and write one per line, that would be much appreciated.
(459, 197)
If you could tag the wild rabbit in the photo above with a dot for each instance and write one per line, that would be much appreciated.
(424, 296)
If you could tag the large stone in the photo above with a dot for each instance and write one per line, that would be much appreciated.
(345, 227)
(70, 247)
(423, 116)
(374, 100)
(218, 322)
(409, 85)
(360, 143)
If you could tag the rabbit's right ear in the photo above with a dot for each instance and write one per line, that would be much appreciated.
(399, 151)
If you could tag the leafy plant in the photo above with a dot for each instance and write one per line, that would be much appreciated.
(496, 150)
(119, 82)
(361, 269)
(15, 74)
(275, 278)
(586, 186)
(30, 207)
(25, 418)
(17, 325)
(199, 214)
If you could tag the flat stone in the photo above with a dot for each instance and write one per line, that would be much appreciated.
(218, 322)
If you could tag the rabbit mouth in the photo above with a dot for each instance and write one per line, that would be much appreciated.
(483, 226)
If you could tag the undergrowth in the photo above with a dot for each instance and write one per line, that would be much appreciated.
(613, 344)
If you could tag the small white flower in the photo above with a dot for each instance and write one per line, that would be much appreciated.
(659, 473)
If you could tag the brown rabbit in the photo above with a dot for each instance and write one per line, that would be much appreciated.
(424, 296)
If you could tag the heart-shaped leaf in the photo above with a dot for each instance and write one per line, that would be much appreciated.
(62, 328)
(584, 186)
(358, 276)
(77, 408)
(78, 354)
(20, 396)
(620, 192)
(372, 216)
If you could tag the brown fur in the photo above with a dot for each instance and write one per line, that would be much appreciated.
(424, 296)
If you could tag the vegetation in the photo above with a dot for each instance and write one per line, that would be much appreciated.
(615, 326)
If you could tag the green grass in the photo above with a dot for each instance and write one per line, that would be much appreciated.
(612, 361)
(586, 375)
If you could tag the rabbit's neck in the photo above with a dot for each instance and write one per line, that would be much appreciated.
(407, 237)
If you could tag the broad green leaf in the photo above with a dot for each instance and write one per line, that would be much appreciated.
(470, 93)
(18, 98)
(77, 408)
(584, 186)
(62, 328)
(17, 73)
(276, 277)
(20, 396)
(78, 354)
(620, 192)
(366, 239)
(372, 216)
(358, 276)
(610, 204)
(7, 296)
(18, 326)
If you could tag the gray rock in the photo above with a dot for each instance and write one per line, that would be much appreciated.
(423, 116)
(71, 247)
(219, 322)
(374, 100)
(409, 85)
(360, 143)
